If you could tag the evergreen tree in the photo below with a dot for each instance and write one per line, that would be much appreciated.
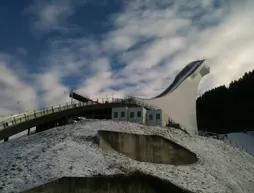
(228, 109)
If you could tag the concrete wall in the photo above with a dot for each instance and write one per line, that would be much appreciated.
(180, 105)
(133, 183)
(146, 148)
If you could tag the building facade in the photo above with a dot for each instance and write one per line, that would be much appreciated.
(137, 114)
(120, 113)
(140, 115)
(156, 117)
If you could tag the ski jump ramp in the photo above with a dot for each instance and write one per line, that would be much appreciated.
(178, 100)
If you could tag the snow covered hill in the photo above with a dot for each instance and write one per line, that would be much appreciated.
(242, 140)
(71, 151)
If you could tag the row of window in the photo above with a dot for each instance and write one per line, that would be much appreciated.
(123, 114)
(158, 116)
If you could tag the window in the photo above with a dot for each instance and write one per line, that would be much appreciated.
(131, 114)
(158, 116)
(122, 114)
(150, 116)
(115, 114)
(139, 114)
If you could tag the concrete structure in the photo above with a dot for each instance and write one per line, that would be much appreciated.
(136, 182)
(140, 115)
(120, 113)
(178, 101)
(137, 114)
(156, 117)
(146, 148)
(132, 114)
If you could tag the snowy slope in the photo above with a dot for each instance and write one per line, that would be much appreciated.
(69, 151)
(243, 140)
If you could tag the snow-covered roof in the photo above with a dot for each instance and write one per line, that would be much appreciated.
(70, 151)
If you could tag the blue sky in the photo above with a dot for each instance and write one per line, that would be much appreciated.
(110, 46)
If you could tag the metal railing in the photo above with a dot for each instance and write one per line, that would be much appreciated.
(17, 119)
(20, 118)
(138, 102)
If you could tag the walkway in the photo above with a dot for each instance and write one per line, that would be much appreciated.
(18, 123)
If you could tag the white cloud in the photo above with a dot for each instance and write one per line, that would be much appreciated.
(54, 92)
(175, 36)
(49, 15)
(228, 41)
(17, 95)
(149, 43)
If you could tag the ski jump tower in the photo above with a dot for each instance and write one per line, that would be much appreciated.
(178, 101)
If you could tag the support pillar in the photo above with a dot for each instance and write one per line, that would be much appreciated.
(43, 127)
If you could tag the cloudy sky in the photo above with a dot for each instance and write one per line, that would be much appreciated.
(101, 47)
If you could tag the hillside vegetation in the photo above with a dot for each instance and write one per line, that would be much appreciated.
(228, 109)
